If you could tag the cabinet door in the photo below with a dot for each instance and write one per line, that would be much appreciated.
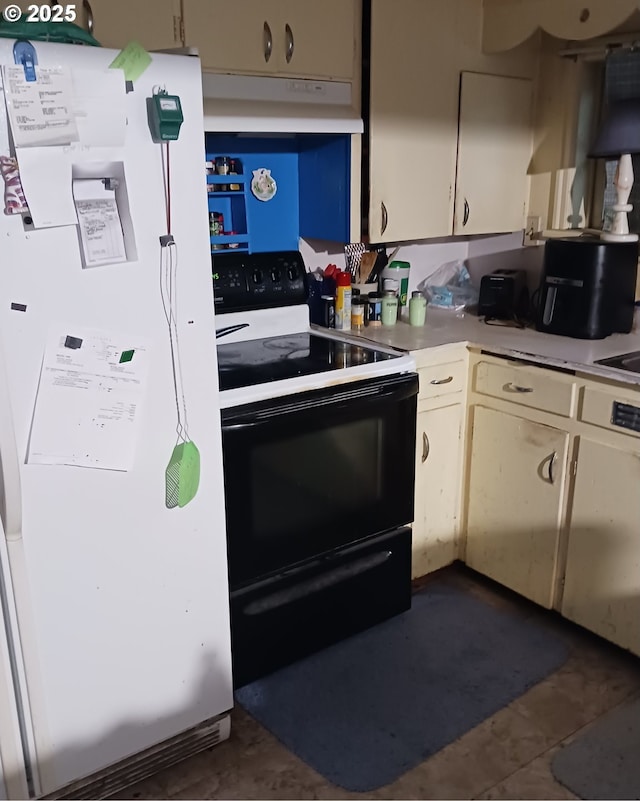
(318, 38)
(494, 149)
(234, 37)
(413, 119)
(284, 37)
(153, 23)
(438, 462)
(602, 578)
(516, 483)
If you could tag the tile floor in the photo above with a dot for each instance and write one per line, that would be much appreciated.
(506, 757)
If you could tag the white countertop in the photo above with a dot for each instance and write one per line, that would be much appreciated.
(444, 327)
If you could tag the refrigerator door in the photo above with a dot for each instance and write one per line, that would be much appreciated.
(122, 603)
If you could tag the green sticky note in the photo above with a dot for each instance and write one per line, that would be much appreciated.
(126, 356)
(133, 61)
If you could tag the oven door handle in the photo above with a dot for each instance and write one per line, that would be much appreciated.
(392, 389)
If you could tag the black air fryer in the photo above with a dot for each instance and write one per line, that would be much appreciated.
(588, 287)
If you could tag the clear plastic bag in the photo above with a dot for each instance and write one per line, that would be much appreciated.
(449, 287)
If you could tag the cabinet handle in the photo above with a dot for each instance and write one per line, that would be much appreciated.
(426, 447)
(465, 217)
(385, 218)
(290, 43)
(517, 388)
(552, 462)
(267, 41)
(446, 380)
(89, 14)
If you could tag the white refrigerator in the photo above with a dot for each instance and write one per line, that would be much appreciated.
(114, 635)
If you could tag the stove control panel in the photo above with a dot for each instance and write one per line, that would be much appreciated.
(247, 281)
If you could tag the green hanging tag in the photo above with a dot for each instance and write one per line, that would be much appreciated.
(182, 475)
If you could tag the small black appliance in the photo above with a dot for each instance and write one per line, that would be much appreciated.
(503, 295)
(588, 287)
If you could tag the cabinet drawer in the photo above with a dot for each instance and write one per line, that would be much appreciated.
(597, 408)
(525, 386)
(442, 379)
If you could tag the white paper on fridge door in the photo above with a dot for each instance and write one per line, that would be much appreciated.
(45, 173)
(99, 220)
(87, 410)
(40, 112)
(100, 107)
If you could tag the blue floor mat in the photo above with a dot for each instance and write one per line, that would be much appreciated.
(364, 711)
(604, 762)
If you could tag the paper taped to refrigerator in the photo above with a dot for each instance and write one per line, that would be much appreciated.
(100, 107)
(87, 411)
(45, 173)
(41, 112)
(99, 219)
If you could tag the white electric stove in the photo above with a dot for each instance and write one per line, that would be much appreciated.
(266, 347)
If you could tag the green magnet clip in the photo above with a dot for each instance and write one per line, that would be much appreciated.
(126, 356)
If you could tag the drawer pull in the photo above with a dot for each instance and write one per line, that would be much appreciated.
(552, 461)
(446, 380)
(426, 447)
(517, 388)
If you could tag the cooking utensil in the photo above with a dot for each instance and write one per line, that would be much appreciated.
(352, 255)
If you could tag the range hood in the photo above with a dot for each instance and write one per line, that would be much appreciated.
(246, 104)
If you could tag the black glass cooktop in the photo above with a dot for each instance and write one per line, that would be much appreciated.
(258, 361)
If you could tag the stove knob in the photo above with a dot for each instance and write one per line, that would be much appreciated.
(275, 275)
(257, 276)
(292, 272)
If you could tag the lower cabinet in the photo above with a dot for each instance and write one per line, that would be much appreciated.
(602, 577)
(438, 466)
(514, 502)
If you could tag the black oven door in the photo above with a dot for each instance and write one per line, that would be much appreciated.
(308, 473)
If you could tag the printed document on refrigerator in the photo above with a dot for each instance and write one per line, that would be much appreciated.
(41, 112)
(87, 410)
(100, 225)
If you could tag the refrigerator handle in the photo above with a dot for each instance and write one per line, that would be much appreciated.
(10, 487)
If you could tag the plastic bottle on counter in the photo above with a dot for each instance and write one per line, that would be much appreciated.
(343, 301)
(389, 308)
(417, 308)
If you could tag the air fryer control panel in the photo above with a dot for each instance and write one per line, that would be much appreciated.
(246, 281)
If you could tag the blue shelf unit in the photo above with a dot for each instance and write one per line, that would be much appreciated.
(312, 201)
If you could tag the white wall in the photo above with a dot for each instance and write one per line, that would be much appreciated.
(479, 254)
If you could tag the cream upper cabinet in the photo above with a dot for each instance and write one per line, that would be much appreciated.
(602, 578)
(507, 22)
(514, 502)
(274, 37)
(413, 119)
(418, 52)
(114, 23)
(437, 494)
(494, 149)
